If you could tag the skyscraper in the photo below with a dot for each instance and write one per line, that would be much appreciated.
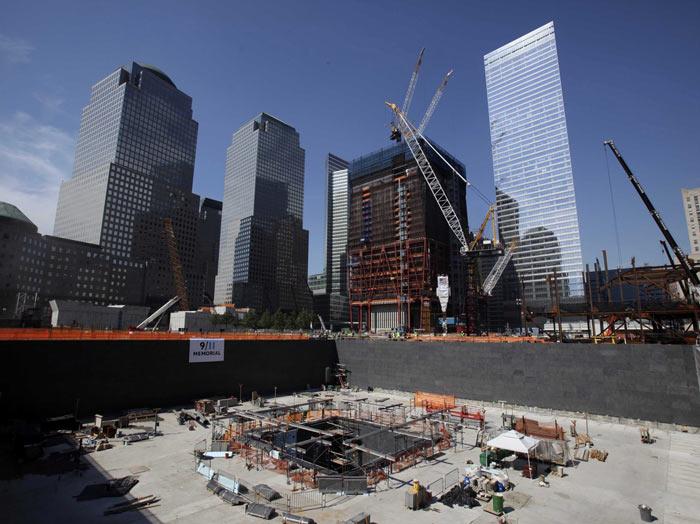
(533, 176)
(263, 254)
(691, 205)
(208, 243)
(399, 241)
(337, 214)
(134, 164)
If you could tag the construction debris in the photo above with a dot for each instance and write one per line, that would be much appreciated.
(260, 510)
(599, 454)
(139, 503)
(113, 488)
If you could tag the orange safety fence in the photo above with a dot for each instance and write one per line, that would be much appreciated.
(484, 338)
(88, 334)
(433, 401)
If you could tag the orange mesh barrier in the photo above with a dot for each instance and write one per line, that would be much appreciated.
(433, 401)
(536, 429)
(86, 334)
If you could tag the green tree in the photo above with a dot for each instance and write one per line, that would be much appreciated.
(279, 320)
(265, 320)
(250, 320)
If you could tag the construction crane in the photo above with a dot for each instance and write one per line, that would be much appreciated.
(410, 134)
(434, 102)
(490, 215)
(495, 274)
(413, 139)
(680, 255)
(158, 314)
(175, 264)
(395, 133)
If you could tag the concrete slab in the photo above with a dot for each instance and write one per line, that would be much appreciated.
(664, 475)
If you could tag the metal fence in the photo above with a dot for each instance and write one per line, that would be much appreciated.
(342, 484)
(440, 485)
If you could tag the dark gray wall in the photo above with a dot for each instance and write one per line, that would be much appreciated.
(649, 382)
(46, 377)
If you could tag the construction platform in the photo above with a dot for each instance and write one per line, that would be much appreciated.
(664, 475)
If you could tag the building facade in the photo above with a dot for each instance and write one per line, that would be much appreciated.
(263, 253)
(691, 206)
(36, 268)
(134, 165)
(399, 242)
(208, 244)
(337, 214)
(535, 198)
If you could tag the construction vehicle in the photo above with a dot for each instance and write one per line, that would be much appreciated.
(683, 259)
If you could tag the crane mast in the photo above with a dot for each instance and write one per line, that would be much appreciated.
(682, 258)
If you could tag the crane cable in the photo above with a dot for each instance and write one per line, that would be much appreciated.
(612, 202)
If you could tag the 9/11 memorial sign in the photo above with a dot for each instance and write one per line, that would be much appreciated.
(206, 350)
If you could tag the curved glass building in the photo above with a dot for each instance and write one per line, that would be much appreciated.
(535, 198)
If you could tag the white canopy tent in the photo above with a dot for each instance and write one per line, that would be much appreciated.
(514, 441)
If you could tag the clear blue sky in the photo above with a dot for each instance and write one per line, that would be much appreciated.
(629, 68)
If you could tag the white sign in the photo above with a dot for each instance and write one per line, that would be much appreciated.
(206, 350)
(443, 291)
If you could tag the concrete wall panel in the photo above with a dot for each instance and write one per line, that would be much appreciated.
(648, 382)
(48, 377)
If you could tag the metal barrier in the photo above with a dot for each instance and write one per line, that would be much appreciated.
(342, 484)
(451, 478)
(443, 484)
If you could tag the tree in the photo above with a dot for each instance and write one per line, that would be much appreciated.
(265, 320)
(279, 320)
(250, 320)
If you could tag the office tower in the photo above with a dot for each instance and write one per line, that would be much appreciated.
(208, 243)
(337, 211)
(399, 242)
(533, 176)
(134, 165)
(263, 253)
(691, 205)
(36, 268)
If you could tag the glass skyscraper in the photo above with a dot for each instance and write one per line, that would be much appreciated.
(263, 254)
(533, 176)
(337, 212)
(134, 164)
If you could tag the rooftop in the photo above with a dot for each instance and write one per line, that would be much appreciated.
(11, 211)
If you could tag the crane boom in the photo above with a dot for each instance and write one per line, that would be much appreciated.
(434, 102)
(498, 268)
(176, 264)
(409, 133)
(412, 84)
(682, 258)
(480, 233)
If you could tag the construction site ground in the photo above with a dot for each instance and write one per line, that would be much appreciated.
(664, 475)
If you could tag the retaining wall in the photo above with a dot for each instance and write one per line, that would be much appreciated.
(44, 377)
(648, 382)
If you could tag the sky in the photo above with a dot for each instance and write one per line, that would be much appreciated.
(630, 72)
